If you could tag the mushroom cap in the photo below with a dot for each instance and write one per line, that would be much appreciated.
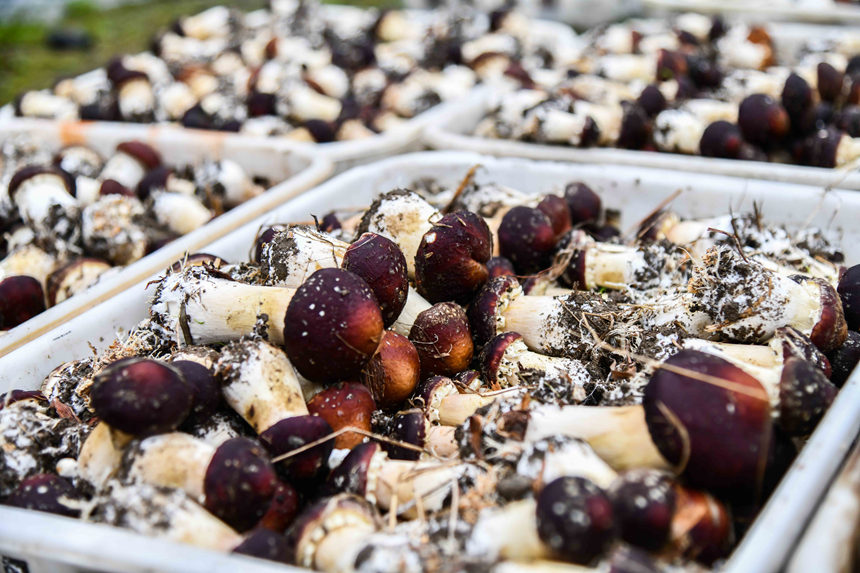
(574, 519)
(239, 483)
(140, 396)
(486, 308)
(443, 339)
(293, 433)
(718, 435)
(348, 404)
(21, 298)
(46, 492)
(332, 326)
(451, 261)
(266, 544)
(527, 238)
(380, 262)
(394, 371)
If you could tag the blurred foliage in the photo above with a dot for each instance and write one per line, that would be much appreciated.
(27, 63)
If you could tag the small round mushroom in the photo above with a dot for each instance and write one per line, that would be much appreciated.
(844, 359)
(643, 505)
(450, 263)
(140, 396)
(130, 163)
(293, 433)
(47, 492)
(500, 266)
(442, 336)
(556, 209)
(584, 204)
(411, 427)
(348, 404)
(728, 460)
(333, 326)
(206, 390)
(721, 139)
(527, 238)
(574, 518)
(378, 261)
(849, 293)
(264, 543)
(21, 298)
(393, 371)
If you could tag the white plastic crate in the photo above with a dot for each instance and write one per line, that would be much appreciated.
(636, 191)
(291, 169)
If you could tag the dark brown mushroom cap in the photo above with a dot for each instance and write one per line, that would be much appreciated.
(239, 483)
(636, 127)
(347, 404)
(796, 97)
(556, 209)
(467, 378)
(29, 171)
(12, 396)
(21, 298)
(717, 435)
(380, 262)
(652, 100)
(762, 120)
(282, 509)
(394, 370)
(831, 329)
(409, 427)
(584, 204)
(145, 154)
(794, 343)
(451, 261)
(154, 180)
(849, 293)
(830, 82)
(484, 310)
(574, 519)
(293, 433)
(46, 492)
(264, 543)
(527, 238)
(432, 388)
(643, 504)
(113, 187)
(332, 326)
(443, 339)
(721, 139)
(805, 394)
(844, 359)
(351, 475)
(493, 355)
(820, 148)
(702, 528)
(206, 391)
(141, 396)
(500, 266)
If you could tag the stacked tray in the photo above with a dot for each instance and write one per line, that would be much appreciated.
(635, 191)
(292, 169)
(790, 42)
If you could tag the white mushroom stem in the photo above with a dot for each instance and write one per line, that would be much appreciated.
(538, 319)
(303, 251)
(415, 305)
(455, 409)
(136, 98)
(573, 458)
(508, 532)
(618, 434)
(175, 460)
(404, 217)
(28, 260)
(199, 309)
(305, 104)
(612, 266)
(259, 383)
(41, 194)
(338, 550)
(760, 362)
(123, 168)
(179, 212)
(238, 187)
(518, 358)
(101, 454)
(171, 514)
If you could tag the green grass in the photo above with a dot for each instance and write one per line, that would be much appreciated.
(26, 63)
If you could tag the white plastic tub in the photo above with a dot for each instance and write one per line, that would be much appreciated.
(812, 11)
(636, 191)
(455, 132)
(291, 170)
